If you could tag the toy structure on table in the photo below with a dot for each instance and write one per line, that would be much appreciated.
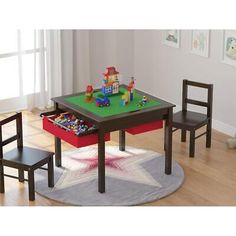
(110, 83)
(142, 102)
(113, 98)
(129, 93)
(89, 93)
(115, 107)
(130, 89)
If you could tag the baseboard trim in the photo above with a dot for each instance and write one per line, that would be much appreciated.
(224, 128)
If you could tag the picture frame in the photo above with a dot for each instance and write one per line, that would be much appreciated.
(171, 38)
(229, 47)
(200, 41)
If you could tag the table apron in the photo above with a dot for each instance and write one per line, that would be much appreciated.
(121, 122)
(137, 119)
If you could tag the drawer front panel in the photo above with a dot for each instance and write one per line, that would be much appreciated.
(69, 136)
(145, 127)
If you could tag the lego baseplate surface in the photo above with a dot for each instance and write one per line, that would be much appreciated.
(115, 107)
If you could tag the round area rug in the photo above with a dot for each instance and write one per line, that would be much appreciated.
(133, 177)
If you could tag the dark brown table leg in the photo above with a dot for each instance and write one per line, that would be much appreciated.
(50, 173)
(57, 145)
(101, 160)
(58, 151)
(168, 141)
(121, 140)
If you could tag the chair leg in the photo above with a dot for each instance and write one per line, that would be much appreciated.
(50, 173)
(208, 135)
(31, 185)
(183, 135)
(21, 175)
(2, 187)
(192, 143)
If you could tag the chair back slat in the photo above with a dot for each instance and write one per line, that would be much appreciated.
(19, 132)
(197, 103)
(198, 84)
(10, 140)
(186, 100)
(9, 119)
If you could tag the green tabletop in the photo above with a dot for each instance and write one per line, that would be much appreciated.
(115, 107)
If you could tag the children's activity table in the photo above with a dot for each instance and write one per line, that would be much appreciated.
(117, 117)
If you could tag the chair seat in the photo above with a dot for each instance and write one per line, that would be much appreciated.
(189, 119)
(26, 157)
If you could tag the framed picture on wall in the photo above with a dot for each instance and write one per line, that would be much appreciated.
(229, 47)
(200, 42)
(171, 38)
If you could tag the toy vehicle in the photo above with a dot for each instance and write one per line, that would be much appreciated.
(102, 102)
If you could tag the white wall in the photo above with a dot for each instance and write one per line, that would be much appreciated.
(110, 48)
(81, 59)
(160, 69)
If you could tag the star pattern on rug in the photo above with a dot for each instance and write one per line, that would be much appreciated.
(92, 163)
(125, 166)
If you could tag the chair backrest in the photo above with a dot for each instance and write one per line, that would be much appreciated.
(19, 132)
(186, 100)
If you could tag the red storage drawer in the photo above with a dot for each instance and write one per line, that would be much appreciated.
(82, 140)
(145, 127)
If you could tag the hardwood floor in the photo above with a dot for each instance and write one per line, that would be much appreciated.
(210, 177)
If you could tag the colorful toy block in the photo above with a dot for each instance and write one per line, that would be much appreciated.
(110, 82)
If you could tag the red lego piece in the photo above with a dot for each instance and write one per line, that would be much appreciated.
(110, 71)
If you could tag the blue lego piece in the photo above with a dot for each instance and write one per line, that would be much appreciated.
(102, 102)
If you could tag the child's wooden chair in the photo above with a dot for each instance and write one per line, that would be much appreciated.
(23, 158)
(191, 121)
